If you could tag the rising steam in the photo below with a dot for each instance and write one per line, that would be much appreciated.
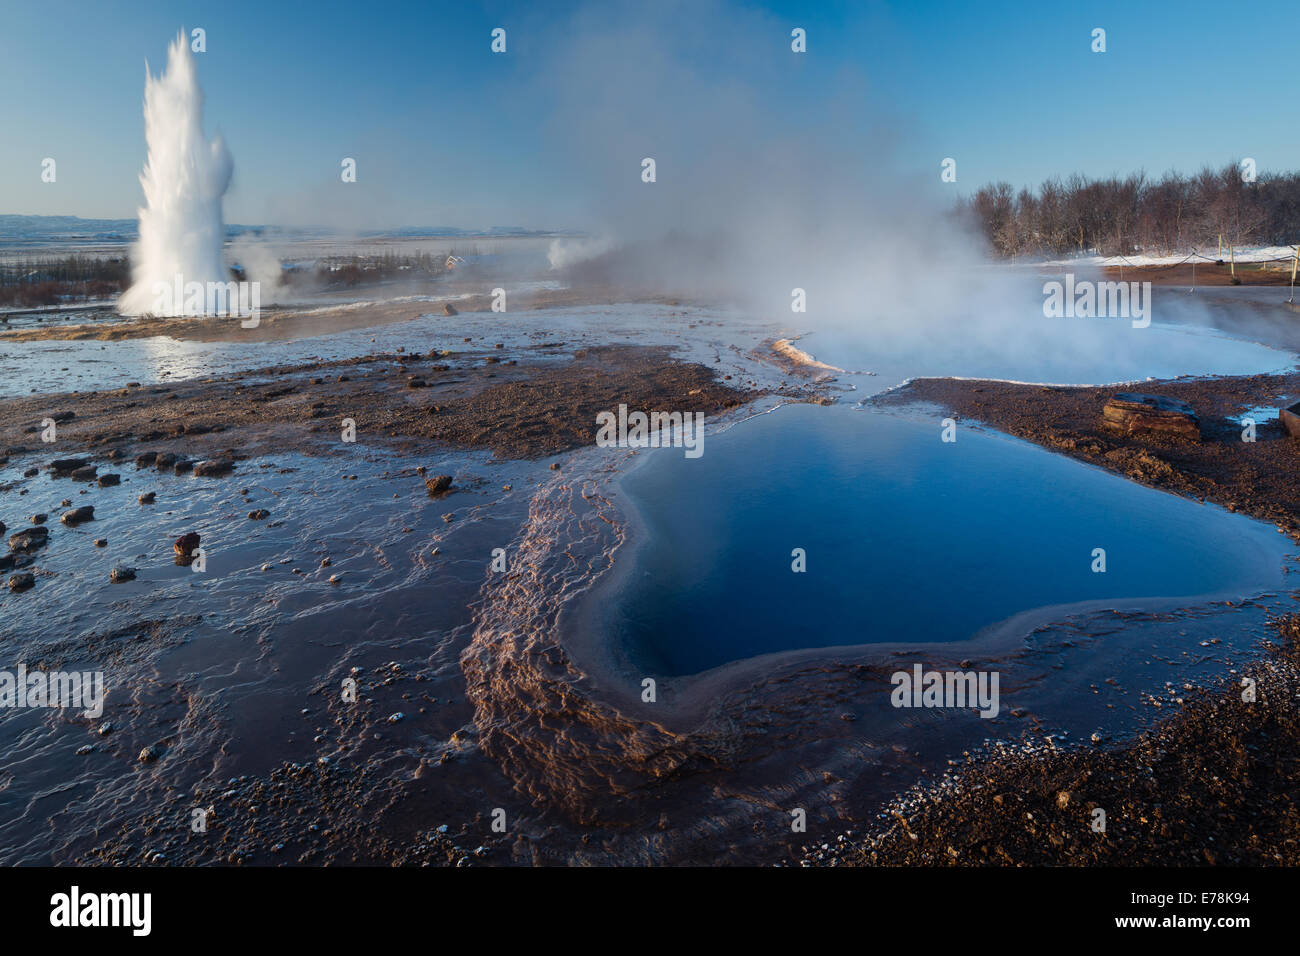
(184, 179)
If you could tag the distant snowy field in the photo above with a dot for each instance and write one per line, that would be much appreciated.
(1244, 254)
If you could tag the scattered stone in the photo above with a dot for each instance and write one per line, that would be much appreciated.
(101, 542)
(214, 468)
(259, 514)
(29, 539)
(22, 581)
(186, 544)
(164, 460)
(439, 484)
(146, 459)
(150, 754)
(106, 481)
(148, 498)
(121, 575)
(336, 578)
(449, 309)
(64, 466)
(86, 473)
(39, 518)
(85, 749)
(78, 515)
(183, 466)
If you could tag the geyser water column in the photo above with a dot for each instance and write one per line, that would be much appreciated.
(184, 178)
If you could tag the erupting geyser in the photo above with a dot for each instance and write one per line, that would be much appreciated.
(184, 178)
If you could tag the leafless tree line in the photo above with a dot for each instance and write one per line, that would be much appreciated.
(1115, 216)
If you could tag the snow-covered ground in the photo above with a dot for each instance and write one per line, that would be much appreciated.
(1244, 254)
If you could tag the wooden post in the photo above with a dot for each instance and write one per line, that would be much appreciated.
(1295, 264)
(1220, 247)
(1232, 253)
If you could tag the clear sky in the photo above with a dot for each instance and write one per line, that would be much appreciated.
(447, 133)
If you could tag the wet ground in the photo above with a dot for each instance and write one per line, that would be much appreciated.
(473, 696)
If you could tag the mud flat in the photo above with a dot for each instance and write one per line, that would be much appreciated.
(518, 408)
(1215, 784)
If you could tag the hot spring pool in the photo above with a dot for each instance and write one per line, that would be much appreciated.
(907, 539)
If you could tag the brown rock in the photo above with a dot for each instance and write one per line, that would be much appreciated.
(1135, 413)
(22, 581)
(78, 515)
(214, 468)
(438, 484)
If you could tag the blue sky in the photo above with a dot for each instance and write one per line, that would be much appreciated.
(446, 132)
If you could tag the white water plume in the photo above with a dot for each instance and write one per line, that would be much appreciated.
(184, 178)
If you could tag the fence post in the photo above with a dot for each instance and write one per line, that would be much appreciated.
(1295, 263)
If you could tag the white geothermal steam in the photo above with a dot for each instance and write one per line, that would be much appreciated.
(184, 178)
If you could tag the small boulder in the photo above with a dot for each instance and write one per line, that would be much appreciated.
(106, 481)
(1135, 413)
(449, 309)
(78, 515)
(186, 544)
(259, 514)
(29, 539)
(85, 473)
(64, 466)
(214, 468)
(120, 575)
(438, 484)
(22, 581)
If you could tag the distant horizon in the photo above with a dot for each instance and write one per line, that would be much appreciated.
(396, 231)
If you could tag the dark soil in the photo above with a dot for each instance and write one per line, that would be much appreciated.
(1216, 784)
(544, 405)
